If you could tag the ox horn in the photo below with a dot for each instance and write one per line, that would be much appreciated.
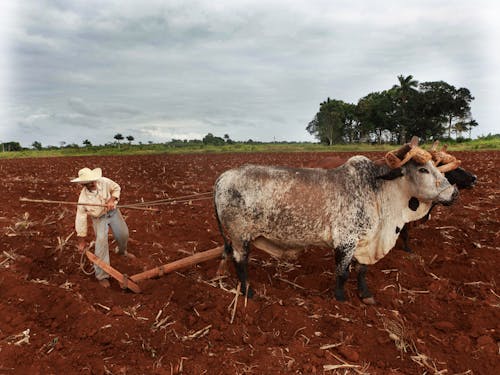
(414, 141)
(435, 153)
(434, 146)
(449, 167)
(398, 158)
(442, 159)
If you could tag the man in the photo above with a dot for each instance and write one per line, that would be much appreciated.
(98, 199)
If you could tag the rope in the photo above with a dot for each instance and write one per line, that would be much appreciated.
(83, 260)
(183, 199)
(137, 206)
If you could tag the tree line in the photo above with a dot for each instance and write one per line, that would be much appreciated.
(429, 110)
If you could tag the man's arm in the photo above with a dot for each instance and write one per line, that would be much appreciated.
(81, 226)
(114, 191)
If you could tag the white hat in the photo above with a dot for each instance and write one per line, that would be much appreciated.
(86, 175)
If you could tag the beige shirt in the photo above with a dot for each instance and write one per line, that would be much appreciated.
(106, 189)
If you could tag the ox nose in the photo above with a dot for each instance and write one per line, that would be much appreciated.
(453, 197)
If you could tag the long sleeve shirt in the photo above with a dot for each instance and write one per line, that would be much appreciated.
(106, 189)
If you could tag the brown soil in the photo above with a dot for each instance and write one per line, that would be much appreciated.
(438, 310)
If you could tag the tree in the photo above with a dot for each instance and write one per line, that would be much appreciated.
(449, 104)
(427, 110)
(36, 145)
(404, 92)
(461, 110)
(130, 139)
(334, 123)
(376, 115)
(210, 139)
(87, 143)
(227, 139)
(118, 138)
(462, 126)
(11, 146)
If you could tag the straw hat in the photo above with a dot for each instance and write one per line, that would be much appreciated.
(86, 175)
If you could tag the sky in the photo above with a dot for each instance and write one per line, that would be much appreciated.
(251, 69)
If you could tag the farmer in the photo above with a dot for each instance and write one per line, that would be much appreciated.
(102, 195)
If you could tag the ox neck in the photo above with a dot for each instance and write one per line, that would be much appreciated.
(393, 213)
(395, 195)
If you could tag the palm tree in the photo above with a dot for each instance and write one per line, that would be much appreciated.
(406, 88)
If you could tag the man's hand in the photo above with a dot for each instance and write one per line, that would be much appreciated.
(110, 204)
(81, 244)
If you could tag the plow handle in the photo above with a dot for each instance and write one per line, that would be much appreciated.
(125, 281)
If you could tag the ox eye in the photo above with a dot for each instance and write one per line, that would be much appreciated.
(423, 170)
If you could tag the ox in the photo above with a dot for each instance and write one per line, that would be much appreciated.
(460, 177)
(357, 209)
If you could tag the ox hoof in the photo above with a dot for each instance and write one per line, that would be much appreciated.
(340, 297)
(369, 301)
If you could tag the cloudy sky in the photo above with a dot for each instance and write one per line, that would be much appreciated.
(252, 69)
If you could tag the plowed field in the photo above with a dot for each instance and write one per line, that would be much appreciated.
(437, 311)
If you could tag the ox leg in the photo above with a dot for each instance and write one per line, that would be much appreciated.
(343, 256)
(228, 251)
(241, 266)
(406, 239)
(363, 291)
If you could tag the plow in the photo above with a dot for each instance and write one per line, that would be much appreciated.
(130, 282)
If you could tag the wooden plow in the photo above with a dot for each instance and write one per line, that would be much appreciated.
(130, 282)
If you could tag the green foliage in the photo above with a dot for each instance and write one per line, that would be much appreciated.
(335, 122)
(10, 146)
(36, 145)
(489, 137)
(489, 142)
(427, 110)
(210, 139)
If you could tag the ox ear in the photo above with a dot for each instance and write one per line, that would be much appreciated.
(392, 174)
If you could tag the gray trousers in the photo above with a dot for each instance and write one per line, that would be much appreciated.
(113, 219)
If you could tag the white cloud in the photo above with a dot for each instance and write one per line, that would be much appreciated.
(251, 69)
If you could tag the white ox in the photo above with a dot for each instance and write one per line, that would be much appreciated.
(357, 209)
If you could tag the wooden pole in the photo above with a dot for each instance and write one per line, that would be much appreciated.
(124, 280)
(84, 204)
(178, 264)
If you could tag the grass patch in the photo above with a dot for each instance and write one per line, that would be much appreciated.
(486, 144)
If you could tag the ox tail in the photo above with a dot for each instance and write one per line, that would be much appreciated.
(228, 249)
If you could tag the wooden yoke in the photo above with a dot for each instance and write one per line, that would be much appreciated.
(178, 264)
